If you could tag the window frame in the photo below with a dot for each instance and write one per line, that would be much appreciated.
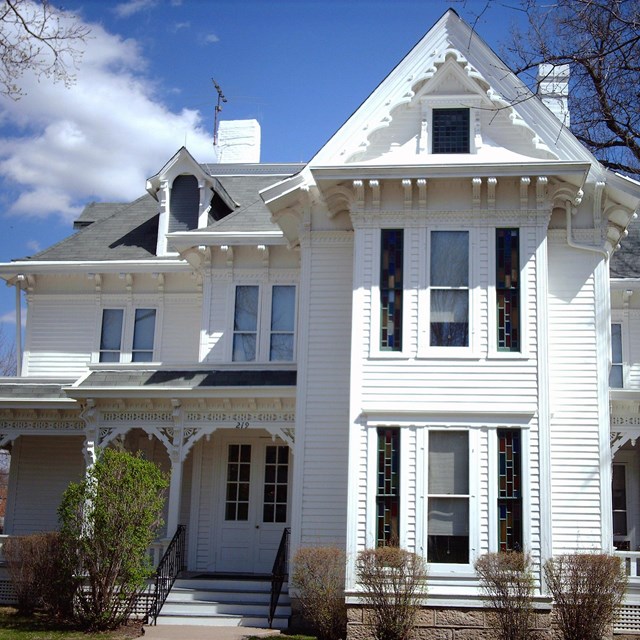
(440, 110)
(263, 324)
(517, 290)
(621, 364)
(127, 333)
(425, 349)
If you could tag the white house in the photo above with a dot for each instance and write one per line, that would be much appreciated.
(407, 339)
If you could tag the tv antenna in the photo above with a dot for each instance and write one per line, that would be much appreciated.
(217, 110)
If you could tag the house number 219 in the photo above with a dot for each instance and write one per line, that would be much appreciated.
(242, 424)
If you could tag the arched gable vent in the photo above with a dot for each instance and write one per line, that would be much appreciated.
(184, 207)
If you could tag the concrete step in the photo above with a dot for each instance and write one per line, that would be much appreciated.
(224, 602)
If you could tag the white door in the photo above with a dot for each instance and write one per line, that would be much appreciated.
(253, 504)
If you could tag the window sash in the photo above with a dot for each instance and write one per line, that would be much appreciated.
(449, 289)
(111, 335)
(616, 374)
(143, 335)
(245, 323)
(508, 289)
(283, 306)
(450, 130)
(510, 527)
(388, 487)
(448, 497)
(391, 288)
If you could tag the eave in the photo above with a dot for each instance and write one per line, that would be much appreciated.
(182, 241)
(579, 170)
(9, 270)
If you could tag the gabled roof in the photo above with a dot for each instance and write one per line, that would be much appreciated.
(451, 60)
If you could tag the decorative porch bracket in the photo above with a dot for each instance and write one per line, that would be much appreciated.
(620, 438)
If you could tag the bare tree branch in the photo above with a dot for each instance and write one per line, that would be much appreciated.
(37, 37)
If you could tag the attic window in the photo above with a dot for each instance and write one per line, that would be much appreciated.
(185, 204)
(450, 131)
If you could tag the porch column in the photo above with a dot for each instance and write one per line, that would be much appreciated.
(175, 485)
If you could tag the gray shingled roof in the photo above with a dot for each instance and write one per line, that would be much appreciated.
(121, 231)
(187, 379)
(625, 263)
(29, 390)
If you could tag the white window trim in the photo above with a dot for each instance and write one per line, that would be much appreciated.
(425, 350)
(128, 325)
(263, 326)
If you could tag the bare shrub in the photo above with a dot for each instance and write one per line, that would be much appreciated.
(587, 589)
(318, 576)
(38, 573)
(507, 581)
(394, 582)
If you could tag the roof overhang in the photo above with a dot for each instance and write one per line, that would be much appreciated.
(184, 240)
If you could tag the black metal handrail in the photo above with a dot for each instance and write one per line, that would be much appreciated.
(170, 565)
(279, 573)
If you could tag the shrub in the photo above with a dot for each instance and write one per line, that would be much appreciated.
(108, 522)
(587, 589)
(394, 582)
(507, 580)
(318, 576)
(40, 575)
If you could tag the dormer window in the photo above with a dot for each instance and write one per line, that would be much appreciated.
(450, 131)
(185, 204)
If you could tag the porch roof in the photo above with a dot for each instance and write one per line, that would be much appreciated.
(16, 391)
(181, 382)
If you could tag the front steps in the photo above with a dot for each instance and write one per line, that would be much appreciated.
(224, 601)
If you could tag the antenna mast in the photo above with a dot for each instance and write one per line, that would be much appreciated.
(217, 110)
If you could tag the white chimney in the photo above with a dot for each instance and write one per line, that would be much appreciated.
(238, 141)
(553, 89)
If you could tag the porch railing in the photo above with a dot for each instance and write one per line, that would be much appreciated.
(279, 573)
(631, 562)
(171, 564)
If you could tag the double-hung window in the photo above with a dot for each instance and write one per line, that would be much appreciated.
(122, 342)
(448, 497)
(449, 289)
(264, 325)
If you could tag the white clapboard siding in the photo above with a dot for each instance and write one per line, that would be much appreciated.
(60, 337)
(326, 403)
(218, 319)
(180, 341)
(35, 494)
(575, 446)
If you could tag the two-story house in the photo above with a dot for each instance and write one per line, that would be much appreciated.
(406, 340)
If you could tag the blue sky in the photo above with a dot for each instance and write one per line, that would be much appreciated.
(144, 88)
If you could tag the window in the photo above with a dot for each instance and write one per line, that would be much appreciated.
(449, 289)
(276, 481)
(144, 327)
(117, 332)
(283, 312)
(245, 324)
(238, 482)
(388, 487)
(111, 335)
(448, 497)
(391, 275)
(263, 324)
(450, 131)
(619, 504)
(616, 379)
(509, 490)
(508, 289)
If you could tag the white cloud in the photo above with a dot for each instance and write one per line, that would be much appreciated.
(10, 317)
(33, 246)
(181, 25)
(127, 9)
(211, 38)
(98, 140)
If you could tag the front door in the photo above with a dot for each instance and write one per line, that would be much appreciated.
(253, 503)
